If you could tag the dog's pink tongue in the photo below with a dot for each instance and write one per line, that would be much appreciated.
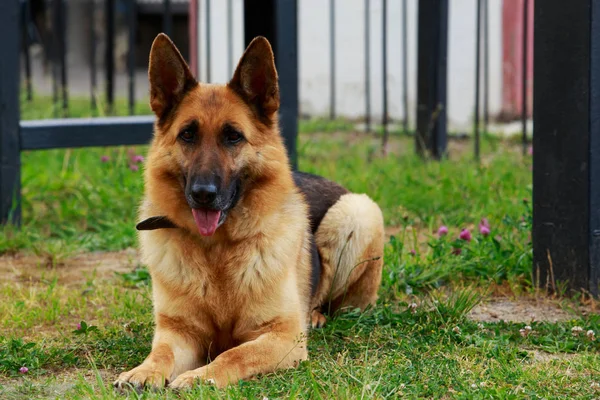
(206, 220)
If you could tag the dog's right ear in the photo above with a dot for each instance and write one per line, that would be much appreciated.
(170, 78)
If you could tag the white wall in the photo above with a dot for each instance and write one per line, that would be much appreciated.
(313, 22)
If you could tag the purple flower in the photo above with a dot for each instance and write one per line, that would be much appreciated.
(484, 230)
(413, 252)
(104, 159)
(442, 231)
(530, 150)
(79, 326)
(484, 227)
(23, 370)
(465, 234)
(134, 167)
(456, 251)
(137, 159)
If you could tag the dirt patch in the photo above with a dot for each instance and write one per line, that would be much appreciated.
(521, 310)
(543, 357)
(55, 386)
(71, 271)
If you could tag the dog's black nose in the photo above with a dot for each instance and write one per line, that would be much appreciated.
(204, 193)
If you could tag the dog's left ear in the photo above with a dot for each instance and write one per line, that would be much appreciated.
(255, 78)
(170, 78)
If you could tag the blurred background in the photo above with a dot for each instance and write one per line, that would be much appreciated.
(341, 50)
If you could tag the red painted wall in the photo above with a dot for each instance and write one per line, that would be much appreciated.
(193, 32)
(512, 58)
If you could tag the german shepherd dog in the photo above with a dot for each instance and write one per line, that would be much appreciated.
(244, 254)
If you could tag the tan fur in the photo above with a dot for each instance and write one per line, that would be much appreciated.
(350, 240)
(237, 304)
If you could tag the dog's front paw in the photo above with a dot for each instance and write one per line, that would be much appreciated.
(317, 320)
(141, 377)
(189, 378)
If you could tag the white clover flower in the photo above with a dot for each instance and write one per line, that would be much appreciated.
(591, 335)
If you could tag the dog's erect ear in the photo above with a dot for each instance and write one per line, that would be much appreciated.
(170, 78)
(255, 78)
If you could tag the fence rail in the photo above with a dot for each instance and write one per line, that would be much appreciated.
(85, 132)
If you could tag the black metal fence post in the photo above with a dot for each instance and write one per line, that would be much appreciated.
(566, 144)
(208, 41)
(431, 136)
(486, 67)
(524, 76)
(10, 159)
(93, 75)
(277, 20)
(331, 59)
(26, 51)
(405, 66)
(384, 82)
(367, 66)
(55, 55)
(477, 79)
(230, 64)
(167, 17)
(62, 45)
(131, 38)
(110, 55)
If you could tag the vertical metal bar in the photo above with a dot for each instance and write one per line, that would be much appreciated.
(405, 65)
(277, 20)
(230, 37)
(62, 29)
(167, 17)
(110, 55)
(55, 54)
(193, 32)
(486, 66)
(26, 51)
(477, 80)
(566, 146)
(208, 37)
(131, 22)
(332, 59)
(431, 135)
(10, 146)
(367, 66)
(93, 74)
(384, 117)
(524, 76)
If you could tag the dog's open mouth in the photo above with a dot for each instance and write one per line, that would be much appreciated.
(207, 220)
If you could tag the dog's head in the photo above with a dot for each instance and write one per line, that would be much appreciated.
(211, 142)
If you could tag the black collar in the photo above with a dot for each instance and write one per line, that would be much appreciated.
(153, 223)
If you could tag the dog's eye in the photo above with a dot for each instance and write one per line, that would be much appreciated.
(187, 135)
(232, 136)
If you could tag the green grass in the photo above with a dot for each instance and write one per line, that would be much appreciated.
(417, 342)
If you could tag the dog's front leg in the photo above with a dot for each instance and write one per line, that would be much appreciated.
(270, 351)
(171, 354)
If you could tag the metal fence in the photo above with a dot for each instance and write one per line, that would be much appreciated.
(567, 52)
(44, 21)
